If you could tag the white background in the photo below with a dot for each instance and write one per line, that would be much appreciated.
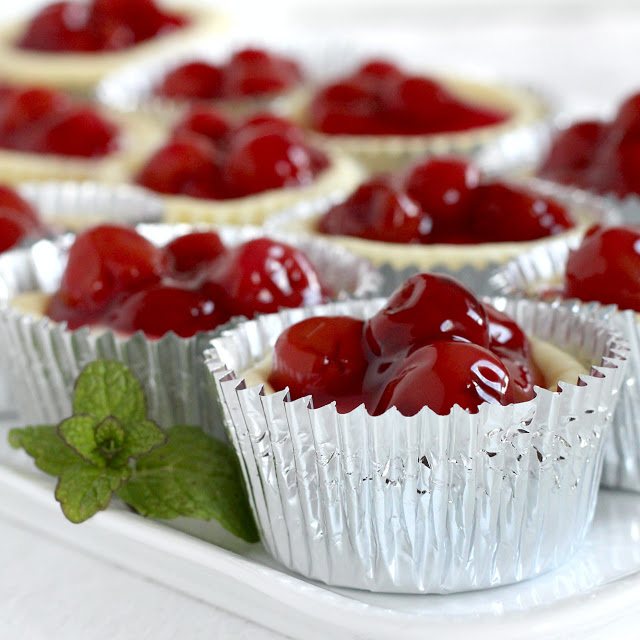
(585, 52)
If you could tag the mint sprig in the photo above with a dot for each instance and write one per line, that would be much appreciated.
(108, 446)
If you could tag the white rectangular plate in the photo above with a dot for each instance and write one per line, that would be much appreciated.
(598, 590)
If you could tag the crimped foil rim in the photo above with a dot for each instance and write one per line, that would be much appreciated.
(398, 261)
(44, 357)
(523, 277)
(77, 204)
(304, 468)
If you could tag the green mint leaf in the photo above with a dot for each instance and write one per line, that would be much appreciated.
(141, 437)
(46, 447)
(108, 388)
(85, 489)
(109, 436)
(79, 433)
(191, 475)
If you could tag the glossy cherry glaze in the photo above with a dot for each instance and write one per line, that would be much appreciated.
(210, 157)
(433, 344)
(381, 99)
(116, 278)
(42, 120)
(441, 200)
(100, 25)
(248, 73)
(598, 155)
(606, 267)
(18, 219)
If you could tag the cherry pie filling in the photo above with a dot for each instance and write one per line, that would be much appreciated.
(97, 26)
(116, 278)
(441, 200)
(47, 121)
(248, 73)
(598, 155)
(434, 343)
(381, 99)
(18, 220)
(210, 157)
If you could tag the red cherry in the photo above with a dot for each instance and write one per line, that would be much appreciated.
(254, 72)
(122, 23)
(80, 132)
(160, 308)
(345, 108)
(15, 226)
(572, 151)
(257, 163)
(606, 267)
(270, 123)
(321, 356)
(377, 211)
(23, 114)
(500, 213)
(60, 26)
(505, 333)
(104, 262)
(206, 122)
(443, 188)
(194, 80)
(627, 121)
(9, 199)
(444, 374)
(194, 250)
(379, 69)
(185, 166)
(261, 276)
(426, 308)
(419, 100)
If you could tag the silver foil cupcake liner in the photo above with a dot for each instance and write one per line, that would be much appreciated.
(471, 264)
(528, 275)
(43, 358)
(70, 206)
(427, 504)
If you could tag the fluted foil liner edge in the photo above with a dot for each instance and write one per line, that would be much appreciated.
(526, 276)
(427, 504)
(43, 358)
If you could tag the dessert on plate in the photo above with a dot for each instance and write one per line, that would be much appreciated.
(599, 155)
(386, 116)
(600, 272)
(71, 44)
(412, 445)
(152, 299)
(48, 134)
(218, 171)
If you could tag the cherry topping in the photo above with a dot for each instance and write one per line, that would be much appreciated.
(195, 250)
(443, 188)
(9, 199)
(426, 308)
(105, 261)
(502, 213)
(187, 166)
(14, 227)
(606, 267)
(444, 374)
(204, 121)
(195, 80)
(102, 25)
(260, 161)
(381, 99)
(378, 211)
(262, 275)
(159, 309)
(81, 132)
(322, 356)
